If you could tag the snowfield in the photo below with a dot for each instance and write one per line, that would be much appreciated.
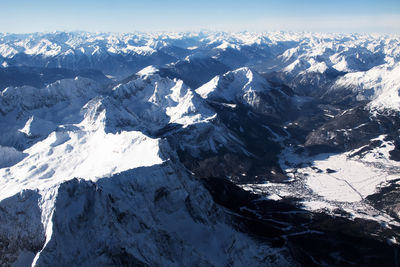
(91, 155)
(344, 179)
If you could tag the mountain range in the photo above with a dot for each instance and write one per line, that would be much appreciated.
(199, 148)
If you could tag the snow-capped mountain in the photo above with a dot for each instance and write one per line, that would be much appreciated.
(381, 84)
(245, 86)
(325, 59)
(80, 159)
(241, 85)
(207, 148)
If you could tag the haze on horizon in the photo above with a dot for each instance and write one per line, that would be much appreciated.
(367, 16)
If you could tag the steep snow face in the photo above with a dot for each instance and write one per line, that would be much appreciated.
(29, 98)
(343, 53)
(380, 84)
(65, 129)
(150, 216)
(147, 103)
(248, 88)
(239, 85)
(318, 65)
(77, 152)
(158, 101)
(29, 114)
(146, 215)
(147, 71)
(151, 104)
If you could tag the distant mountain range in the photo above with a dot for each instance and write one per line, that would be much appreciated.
(199, 149)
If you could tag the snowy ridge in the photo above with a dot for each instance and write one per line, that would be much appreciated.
(239, 85)
(85, 155)
(61, 125)
(157, 214)
(246, 87)
(64, 155)
(380, 84)
(159, 101)
(29, 98)
(30, 114)
(326, 59)
(72, 134)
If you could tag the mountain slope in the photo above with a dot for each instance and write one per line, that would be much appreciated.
(95, 191)
(199, 148)
(195, 71)
(246, 87)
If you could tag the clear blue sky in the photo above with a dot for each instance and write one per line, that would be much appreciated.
(156, 15)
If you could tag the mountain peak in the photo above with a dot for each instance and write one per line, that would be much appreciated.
(234, 85)
(149, 70)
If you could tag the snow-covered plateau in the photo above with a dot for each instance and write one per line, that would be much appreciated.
(199, 149)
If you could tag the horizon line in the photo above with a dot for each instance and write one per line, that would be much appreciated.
(206, 31)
